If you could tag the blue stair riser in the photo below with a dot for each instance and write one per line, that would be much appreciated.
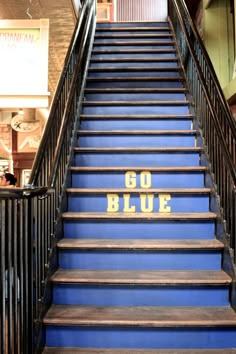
(138, 109)
(117, 179)
(138, 55)
(136, 159)
(134, 84)
(140, 73)
(121, 295)
(139, 229)
(136, 141)
(136, 96)
(134, 337)
(145, 46)
(130, 202)
(138, 124)
(121, 260)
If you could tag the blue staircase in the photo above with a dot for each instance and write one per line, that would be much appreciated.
(140, 266)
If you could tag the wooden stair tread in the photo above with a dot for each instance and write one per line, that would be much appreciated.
(138, 149)
(134, 50)
(135, 68)
(138, 132)
(135, 29)
(135, 43)
(143, 60)
(165, 22)
(200, 191)
(60, 350)
(140, 244)
(139, 78)
(134, 103)
(138, 116)
(140, 216)
(152, 244)
(134, 35)
(140, 277)
(139, 168)
(145, 316)
(135, 90)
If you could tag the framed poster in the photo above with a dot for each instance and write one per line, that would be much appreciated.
(24, 63)
(25, 177)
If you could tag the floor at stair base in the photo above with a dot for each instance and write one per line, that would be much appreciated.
(126, 337)
(105, 295)
(140, 124)
(136, 229)
(131, 202)
(116, 179)
(137, 140)
(100, 158)
(185, 260)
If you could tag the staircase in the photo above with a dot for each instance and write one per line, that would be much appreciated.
(140, 267)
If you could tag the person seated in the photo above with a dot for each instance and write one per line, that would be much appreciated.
(7, 180)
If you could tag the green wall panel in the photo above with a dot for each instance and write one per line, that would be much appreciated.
(219, 38)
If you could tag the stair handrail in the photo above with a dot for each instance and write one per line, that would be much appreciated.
(51, 166)
(215, 115)
(228, 114)
(66, 115)
(42, 165)
(188, 22)
(63, 153)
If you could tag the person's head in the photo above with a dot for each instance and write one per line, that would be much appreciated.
(7, 180)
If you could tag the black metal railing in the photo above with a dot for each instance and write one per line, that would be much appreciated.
(213, 113)
(56, 151)
(30, 217)
(17, 247)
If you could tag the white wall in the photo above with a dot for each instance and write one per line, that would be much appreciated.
(140, 10)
